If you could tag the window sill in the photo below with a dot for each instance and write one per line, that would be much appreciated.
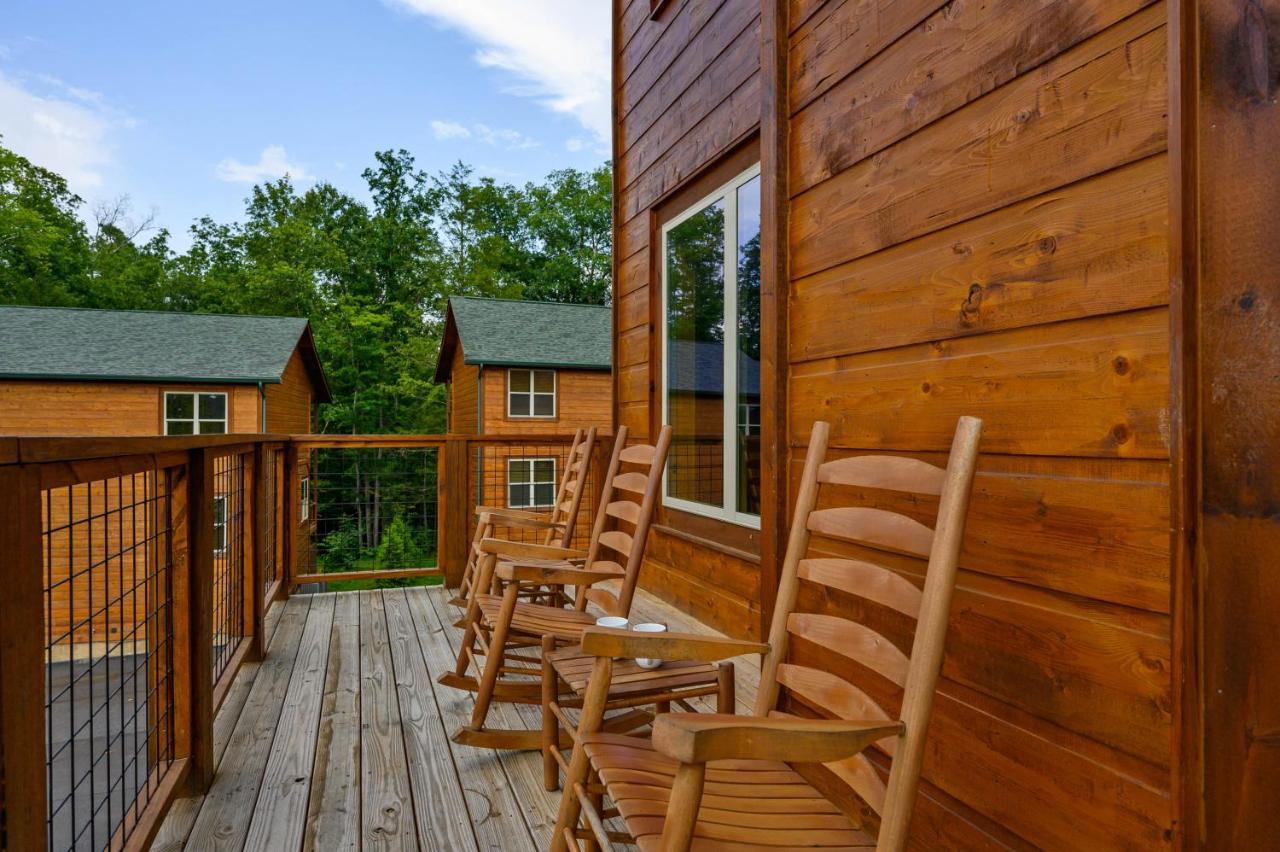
(713, 533)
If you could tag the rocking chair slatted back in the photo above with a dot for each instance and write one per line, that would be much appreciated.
(622, 522)
(564, 513)
(915, 674)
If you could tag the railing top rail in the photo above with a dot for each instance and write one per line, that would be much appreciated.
(42, 449)
(45, 449)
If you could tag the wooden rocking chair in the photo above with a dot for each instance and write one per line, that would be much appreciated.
(502, 629)
(558, 524)
(714, 781)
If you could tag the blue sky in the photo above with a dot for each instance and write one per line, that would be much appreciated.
(183, 105)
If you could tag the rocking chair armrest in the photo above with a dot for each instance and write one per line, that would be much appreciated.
(503, 519)
(700, 737)
(557, 575)
(519, 550)
(527, 514)
(689, 647)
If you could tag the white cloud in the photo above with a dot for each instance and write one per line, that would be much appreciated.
(449, 130)
(574, 145)
(272, 163)
(512, 140)
(60, 127)
(559, 49)
(501, 137)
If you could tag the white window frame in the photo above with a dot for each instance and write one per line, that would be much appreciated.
(220, 527)
(195, 419)
(728, 193)
(532, 394)
(531, 461)
(745, 412)
(304, 499)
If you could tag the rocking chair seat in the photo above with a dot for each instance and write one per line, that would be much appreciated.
(538, 620)
(746, 804)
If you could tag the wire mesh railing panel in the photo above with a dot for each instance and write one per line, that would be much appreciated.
(109, 655)
(229, 519)
(373, 509)
(526, 475)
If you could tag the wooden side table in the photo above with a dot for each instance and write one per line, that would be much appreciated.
(566, 671)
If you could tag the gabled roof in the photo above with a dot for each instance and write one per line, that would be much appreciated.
(153, 346)
(512, 333)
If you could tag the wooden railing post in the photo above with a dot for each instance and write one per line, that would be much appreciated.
(286, 524)
(257, 563)
(200, 545)
(22, 636)
(455, 507)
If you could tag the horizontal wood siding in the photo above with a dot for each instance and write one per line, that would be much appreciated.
(583, 399)
(464, 390)
(118, 409)
(979, 225)
(289, 402)
(690, 91)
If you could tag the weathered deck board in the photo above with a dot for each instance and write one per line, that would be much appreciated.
(344, 720)
(386, 812)
(439, 807)
(223, 823)
(281, 810)
(333, 814)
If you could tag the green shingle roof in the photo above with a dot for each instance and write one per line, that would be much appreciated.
(153, 346)
(528, 334)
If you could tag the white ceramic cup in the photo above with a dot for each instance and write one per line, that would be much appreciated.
(649, 627)
(612, 621)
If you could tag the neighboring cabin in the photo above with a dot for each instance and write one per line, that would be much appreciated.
(69, 371)
(66, 371)
(525, 368)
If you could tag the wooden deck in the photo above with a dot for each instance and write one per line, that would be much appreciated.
(339, 739)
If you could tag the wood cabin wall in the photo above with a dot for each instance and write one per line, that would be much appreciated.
(117, 409)
(977, 207)
(583, 399)
(289, 409)
(687, 90)
(464, 391)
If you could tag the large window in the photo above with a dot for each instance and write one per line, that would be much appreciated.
(195, 413)
(531, 393)
(711, 341)
(531, 483)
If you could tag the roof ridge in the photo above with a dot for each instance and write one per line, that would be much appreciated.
(149, 312)
(531, 302)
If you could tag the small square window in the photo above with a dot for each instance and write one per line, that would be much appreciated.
(219, 524)
(195, 413)
(531, 393)
(531, 483)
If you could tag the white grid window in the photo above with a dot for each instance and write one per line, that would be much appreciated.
(531, 393)
(531, 483)
(304, 499)
(219, 524)
(749, 418)
(195, 413)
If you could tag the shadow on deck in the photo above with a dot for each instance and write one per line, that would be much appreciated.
(339, 739)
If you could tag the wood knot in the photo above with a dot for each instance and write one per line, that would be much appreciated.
(1247, 301)
(972, 304)
(1048, 245)
(926, 387)
(1121, 365)
(1120, 433)
(1252, 54)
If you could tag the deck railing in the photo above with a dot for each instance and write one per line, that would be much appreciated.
(135, 575)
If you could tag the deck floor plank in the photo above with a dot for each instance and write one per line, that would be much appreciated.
(333, 813)
(496, 813)
(386, 802)
(439, 806)
(223, 821)
(280, 813)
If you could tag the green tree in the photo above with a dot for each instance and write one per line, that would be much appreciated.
(44, 247)
(398, 547)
